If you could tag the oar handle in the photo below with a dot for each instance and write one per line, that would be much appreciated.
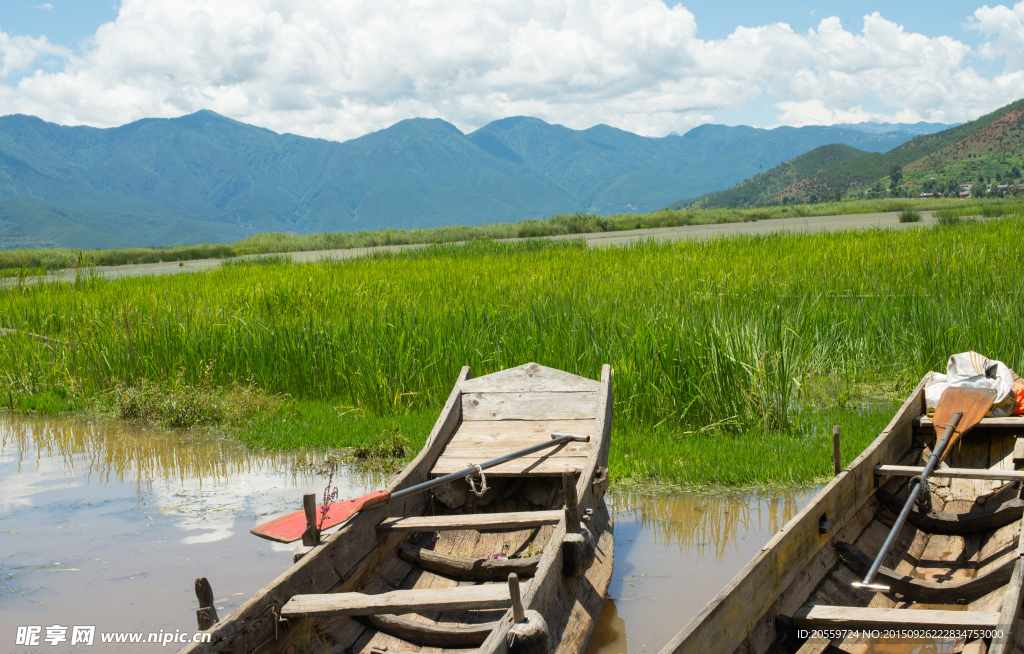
(557, 438)
(919, 485)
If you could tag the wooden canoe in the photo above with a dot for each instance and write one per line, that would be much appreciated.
(414, 573)
(955, 568)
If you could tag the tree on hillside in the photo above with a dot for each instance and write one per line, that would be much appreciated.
(895, 174)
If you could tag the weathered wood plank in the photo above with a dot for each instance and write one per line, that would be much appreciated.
(928, 592)
(729, 618)
(477, 521)
(578, 603)
(487, 596)
(1010, 614)
(957, 473)
(816, 645)
(530, 377)
(484, 451)
(531, 431)
(941, 522)
(544, 467)
(463, 567)
(832, 617)
(1018, 453)
(529, 406)
(924, 422)
(430, 635)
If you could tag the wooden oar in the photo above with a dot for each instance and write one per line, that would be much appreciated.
(973, 403)
(289, 528)
(958, 411)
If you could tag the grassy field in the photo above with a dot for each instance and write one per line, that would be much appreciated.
(25, 262)
(732, 357)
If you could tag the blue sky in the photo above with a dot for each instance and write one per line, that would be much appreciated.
(320, 68)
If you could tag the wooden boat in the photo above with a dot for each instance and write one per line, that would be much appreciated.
(418, 572)
(955, 569)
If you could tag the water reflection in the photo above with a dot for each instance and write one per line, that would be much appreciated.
(110, 451)
(701, 525)
(673, 553)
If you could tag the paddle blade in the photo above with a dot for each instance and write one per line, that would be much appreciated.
(974, 403)
(289, 528)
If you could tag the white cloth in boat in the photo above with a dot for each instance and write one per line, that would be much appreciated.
(972, 370)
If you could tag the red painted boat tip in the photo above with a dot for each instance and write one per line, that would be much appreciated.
(289, 528)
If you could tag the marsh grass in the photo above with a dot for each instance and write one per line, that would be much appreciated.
(716, 345)
(909, 216)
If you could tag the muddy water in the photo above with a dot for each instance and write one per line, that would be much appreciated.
(674, 553)
(107, 525)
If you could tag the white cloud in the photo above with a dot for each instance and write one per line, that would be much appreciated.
(1006, 27)
(19, 52)
(339, 70)
(46, 6)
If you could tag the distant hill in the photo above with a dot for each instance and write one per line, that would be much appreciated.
(910, 128)
(608, 170)
(761, 189)
(204, 177)
(991, 147)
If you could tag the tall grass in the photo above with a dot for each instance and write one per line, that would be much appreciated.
(711, 339)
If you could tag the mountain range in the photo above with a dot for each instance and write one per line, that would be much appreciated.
(204, 177)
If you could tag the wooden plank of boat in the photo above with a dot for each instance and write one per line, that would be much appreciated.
(529, 406)
(431, 635)
(478, 521)
(952, 473)
(530, 377)
(1010, 613)
(929, 592)
(924, 422)
(1018, 453)
(941, 522)
(844, 617)
(552, 466)
(488, 596)
(369, 562)
(462, 567)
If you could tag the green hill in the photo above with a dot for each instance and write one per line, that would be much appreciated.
(760, 189)
(867, 170)
(989, 148)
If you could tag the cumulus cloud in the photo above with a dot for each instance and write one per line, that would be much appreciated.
(19, 52)
(339, 70)
(1005, 28)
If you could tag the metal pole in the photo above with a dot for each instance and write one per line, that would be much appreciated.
(557, 438)
(918, 483)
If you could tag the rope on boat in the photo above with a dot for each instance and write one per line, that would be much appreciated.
(483, 480)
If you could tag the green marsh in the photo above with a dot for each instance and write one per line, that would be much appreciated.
(732, 357)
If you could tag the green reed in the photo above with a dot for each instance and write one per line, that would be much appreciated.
(709, 340)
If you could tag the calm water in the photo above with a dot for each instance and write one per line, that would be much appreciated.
(107, 525)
